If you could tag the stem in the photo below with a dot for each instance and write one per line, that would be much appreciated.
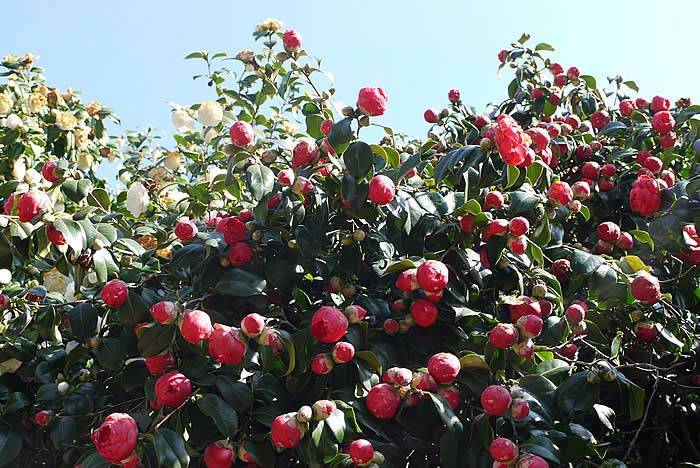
(644, 420)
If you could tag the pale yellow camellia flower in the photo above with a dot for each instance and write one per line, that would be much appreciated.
(269, 25)
(37, 102)
(85, 161)
(246, 55)
(137, 199)
(33, 177)
(93, 108)
(81, 135)
(41, 89)
(210, 113)
(10, 58)
(9, 366)
(55, 281)
(172, 160)
(158, 174)
(65, 120)
(6, 103)
(182, 120)
(172, 197)
(290, 128)
(13, 121)
(165, 253)
(148, 241)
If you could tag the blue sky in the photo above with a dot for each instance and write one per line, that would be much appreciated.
(129, 54)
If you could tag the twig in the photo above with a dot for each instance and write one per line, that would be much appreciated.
(165, 418)
(644, 420)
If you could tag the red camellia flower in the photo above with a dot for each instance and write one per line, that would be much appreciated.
(667, 140)
(160, 362)
(645, 331)
(343, 352)
(660, 103)
(531, 461)
(218, 455)
(43, 418)
(372, 101)
(381, 190)
(503, 335)
(654, 164)
(518, 226)
(627, 107)
(291, 39)
(513, 144)
(326, 126)
(600, 119)
(494, 199)
(322, 364)
(444, 367)
(641, 103)
(646, 288)
(304, 153)
(115, 293)
(286, 431)
(173, 389)
(240, 254)
(466, 223)
(556, 69)
(116, 438)
(495, 400)
(560, 80)
(383, 401)
(285, 177)
(195, 326)
(232, 228)
(185, 230)
(608, 231)
(432, 275)
(252, 325)
(572, 73)
(50, 171)
(430, 116)
(242, 134)
(164, 312)
(529, 326)
(245, 215)
(54, 235)
(361, 451)
(453, 95)
(32, 204)
(560, 192)
(663, 122)
(227, 345)
(520, 409)
(328, 324)
(645, 196)
(503, 450)
(424, 313)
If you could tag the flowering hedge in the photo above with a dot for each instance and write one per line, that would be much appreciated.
(267, 289)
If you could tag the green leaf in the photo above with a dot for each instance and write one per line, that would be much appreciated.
(260, 180)
(524, 38)
(336, 423)
(643, 237)
(606, 415)
(522, 201)
(240, 283)
(170, 449)
(448, 417)
(576, 394)
(313, 125)
(15, 402)
(590, 81)
(237, 394)
(196, 55)
(76, 190)
(393, 158)
(64, 433)
(225, 417)
(512, 175)
(72, 232)
(99, 198)
(83, 321)
(358, 159)
(155, 339)
(340, 134)
(631, 85)
(544, 46)
(110, 353)
(10, 445)
(133, 311)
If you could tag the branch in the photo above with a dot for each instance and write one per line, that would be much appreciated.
(644, 420)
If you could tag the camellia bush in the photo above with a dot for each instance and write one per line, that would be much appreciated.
(269, 288)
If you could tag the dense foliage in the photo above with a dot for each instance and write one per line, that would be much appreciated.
(269, 289)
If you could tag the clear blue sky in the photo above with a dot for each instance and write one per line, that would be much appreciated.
(129, 54)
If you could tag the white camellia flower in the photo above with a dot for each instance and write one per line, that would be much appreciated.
(182, 120)
(209, 135)
(212, 172)
(210, 113)
(19, 169)
(13, 121)
(5, 276)
(137, 199)
(33, 177)
(125, 177)
(70, 292)
(55, 281)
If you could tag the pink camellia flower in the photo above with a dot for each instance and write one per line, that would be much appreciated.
(663, 122)
(43, 418)
(660, 103)
(173, 389)
(540, 139)
(195, 326)
(372, 101)
(32, 204)
(252, 325)
(667, 140)
(242, 134)
(561, 193)
(627, 107)
(227, 345)
(158, 364)
(50, 171)
(245, 215)
(432, 275)
(572, 73)
(326, 126)
(291, 39)
(641, 103)
(646, 289)
(232, 228)
(115, 439)
(560, 80)
(645, 196)
(285, 177)
(185, 230)
(381, 190)
(453, 95)
(304, 153)
(328, 324)
(430, 116)
(286, 431)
